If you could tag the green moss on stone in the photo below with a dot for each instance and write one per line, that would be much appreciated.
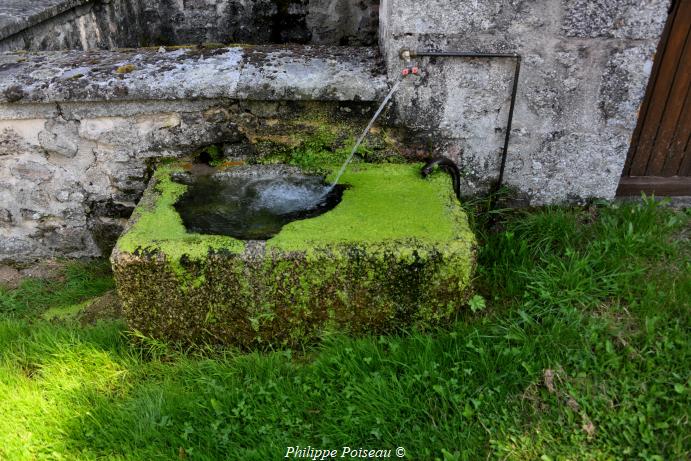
(405, 240)
(320, 135)
(396, 252)
(323, 151)
(159, 228)
(314, 155)
(382, 202)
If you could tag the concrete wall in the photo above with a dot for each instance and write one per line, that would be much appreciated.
(586, 66)
(104, 24)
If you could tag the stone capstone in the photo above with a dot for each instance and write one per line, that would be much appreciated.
(258, 73)
(17, 15)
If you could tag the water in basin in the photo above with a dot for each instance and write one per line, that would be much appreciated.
(252, 204)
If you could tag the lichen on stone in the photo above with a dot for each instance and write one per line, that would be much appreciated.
(125, 69)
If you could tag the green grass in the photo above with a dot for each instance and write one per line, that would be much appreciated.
(578, 349)
(35, 296)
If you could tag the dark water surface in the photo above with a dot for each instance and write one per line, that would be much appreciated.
(254, 206)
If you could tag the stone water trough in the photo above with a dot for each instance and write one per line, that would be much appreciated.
(395, 252)
(99, 98)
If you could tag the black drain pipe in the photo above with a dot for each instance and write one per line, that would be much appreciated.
(407, 55)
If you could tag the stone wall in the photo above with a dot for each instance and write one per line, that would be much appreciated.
(325, 22)
(81, 24)
(585, 68)
(72, 173)
(80, 133)
(107, 24)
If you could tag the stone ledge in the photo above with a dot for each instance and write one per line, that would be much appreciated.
(18, 15)
(269, 72)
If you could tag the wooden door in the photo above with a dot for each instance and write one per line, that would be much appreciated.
(659, 160)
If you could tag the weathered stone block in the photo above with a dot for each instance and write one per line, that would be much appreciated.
(32, 171)
(623, 85)
(5, 216)
(631, 19)
(99, 24)
(583, 76)
(396, 252)
(261, 73)
(60, 137)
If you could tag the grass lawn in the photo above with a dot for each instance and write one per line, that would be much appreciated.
(576, 347)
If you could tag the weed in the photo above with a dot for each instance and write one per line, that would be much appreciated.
(477, 303)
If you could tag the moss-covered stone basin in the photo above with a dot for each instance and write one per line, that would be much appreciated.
(396, 252)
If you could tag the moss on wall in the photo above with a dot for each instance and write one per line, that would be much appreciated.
(314, 134)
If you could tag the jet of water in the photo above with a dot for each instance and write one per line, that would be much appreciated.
(364, 133)
(288, 195)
